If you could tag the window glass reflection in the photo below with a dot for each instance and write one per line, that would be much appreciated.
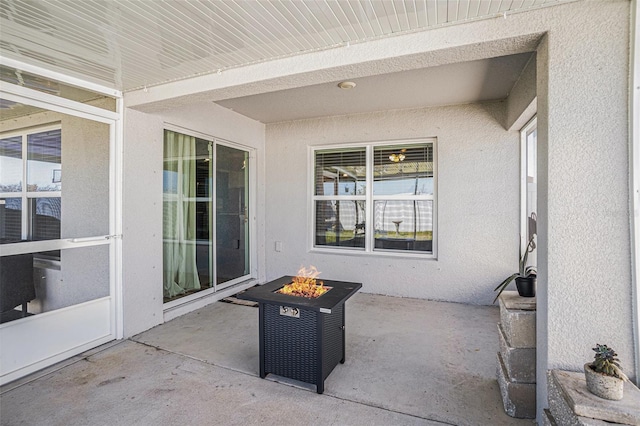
(404, 225)
(45, 218)
(340, 172)
(403, 170)
(10, 220)
(44, 168)
(11, 164)
(340, 223)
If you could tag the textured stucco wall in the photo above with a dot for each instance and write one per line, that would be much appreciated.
(477, 202)
(583, 135)
(142, 221)
(521, 105)
(584, 255)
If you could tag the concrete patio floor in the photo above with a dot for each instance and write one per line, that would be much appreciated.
(408, 362)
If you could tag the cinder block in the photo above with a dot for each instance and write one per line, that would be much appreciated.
(519, 325)
(520, 362)
(513, 300)
(573, 400)
(519, 399)
(560, 409)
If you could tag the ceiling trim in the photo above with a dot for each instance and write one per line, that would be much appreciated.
(132, 45)
(417, 50)
(60, 77)
(42, 100)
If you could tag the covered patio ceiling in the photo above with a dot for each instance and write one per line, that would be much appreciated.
(128, 45)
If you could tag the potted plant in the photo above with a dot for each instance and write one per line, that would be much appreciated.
(526, 276)
(604, 375)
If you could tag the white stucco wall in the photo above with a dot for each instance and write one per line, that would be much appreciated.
(478, 221)
(521, 102)
(142, 222)
(584, 182)
(142, 216)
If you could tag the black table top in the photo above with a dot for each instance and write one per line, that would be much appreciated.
(266, 293)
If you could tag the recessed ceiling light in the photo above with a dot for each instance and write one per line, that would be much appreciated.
(346, 85)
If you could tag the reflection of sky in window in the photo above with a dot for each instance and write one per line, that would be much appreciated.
(10, 174)
(344, 188)
(45, 156)
(407, 186)
(41, 175)
(11, 164)
(170, 181)
(390, 187)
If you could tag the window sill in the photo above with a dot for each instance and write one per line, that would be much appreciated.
(375, 253)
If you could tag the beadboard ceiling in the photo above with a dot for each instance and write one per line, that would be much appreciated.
(127, 45)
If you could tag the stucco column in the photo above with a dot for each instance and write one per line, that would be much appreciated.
(583, 196)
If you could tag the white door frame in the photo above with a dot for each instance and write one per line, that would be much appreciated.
(524, 132)
(634, 178)
(110, 306)
(193, 301)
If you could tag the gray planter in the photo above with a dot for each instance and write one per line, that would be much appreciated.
(599, 384)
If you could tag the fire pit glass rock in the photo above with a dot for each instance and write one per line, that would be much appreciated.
(301, 338)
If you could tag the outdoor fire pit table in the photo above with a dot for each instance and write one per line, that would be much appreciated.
(301, 338)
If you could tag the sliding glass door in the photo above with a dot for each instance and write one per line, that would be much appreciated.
(232, 220)
(206, 238)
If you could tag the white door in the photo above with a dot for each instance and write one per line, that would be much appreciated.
(58, 229)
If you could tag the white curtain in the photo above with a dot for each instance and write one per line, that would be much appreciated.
(180, 269)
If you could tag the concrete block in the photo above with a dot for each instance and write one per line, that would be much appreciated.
(560, 409)
(519, 325)
(586, 405)
(519, 399)
(520, 362)
(512, 300)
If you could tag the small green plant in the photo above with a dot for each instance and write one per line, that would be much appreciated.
(606, 362)
(524, 270)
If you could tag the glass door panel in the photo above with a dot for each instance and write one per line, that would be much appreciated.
(232, 215)
(203, 250)
(187, 216)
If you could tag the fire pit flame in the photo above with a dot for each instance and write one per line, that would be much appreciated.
(305, 284)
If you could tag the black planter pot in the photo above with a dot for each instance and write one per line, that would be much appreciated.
(526, 286)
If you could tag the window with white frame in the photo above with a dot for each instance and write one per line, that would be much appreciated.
(31, 184)
(377, 197)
